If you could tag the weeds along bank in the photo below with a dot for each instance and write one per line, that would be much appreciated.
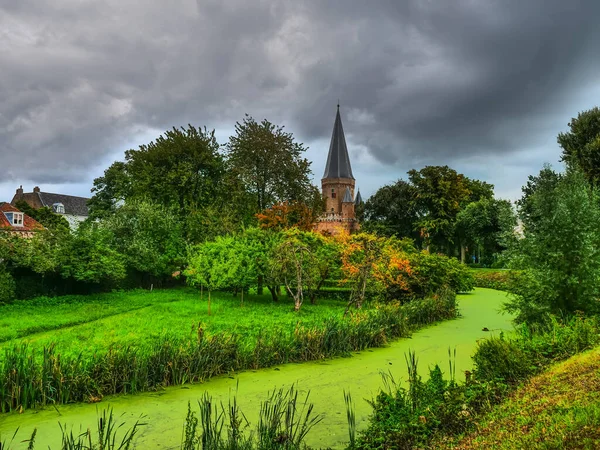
(436, 412)
(31, 377)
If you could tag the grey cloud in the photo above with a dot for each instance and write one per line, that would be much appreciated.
(419, 82)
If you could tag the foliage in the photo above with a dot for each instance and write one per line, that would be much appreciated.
(432, 273)
(492, 279)
(391, 211)
(89, 257)
(45, 216)
(172, 359)
(360, 255)
(485, 225)
(7, 285)
(285, 215)
(181, 169)
(546, 181)
(149, 236)
(581, 144)
(440, 192)
(440, 409)
(558, 409)
(559, 255)
(269, 165)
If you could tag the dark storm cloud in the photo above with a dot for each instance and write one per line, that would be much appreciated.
(421, 82)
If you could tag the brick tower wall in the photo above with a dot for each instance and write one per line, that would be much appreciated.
(338, 185)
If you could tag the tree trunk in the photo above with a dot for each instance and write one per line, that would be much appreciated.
(274, 292)
(462, 253)
(260, 288)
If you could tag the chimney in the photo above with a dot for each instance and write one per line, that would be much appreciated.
(20, 191)
(36, 189)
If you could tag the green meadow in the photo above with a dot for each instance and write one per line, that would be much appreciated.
(86, 324)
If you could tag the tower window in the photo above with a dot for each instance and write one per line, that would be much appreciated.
(332, 193)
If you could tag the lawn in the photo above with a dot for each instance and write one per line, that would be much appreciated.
(85, 324)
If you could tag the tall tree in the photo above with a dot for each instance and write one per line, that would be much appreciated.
(559, 257)
(392, 211)
(440, 193)
(581, 144)
(546, 181)
(269, 163)
(181, 169)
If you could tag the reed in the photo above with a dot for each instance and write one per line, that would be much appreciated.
(30, 378)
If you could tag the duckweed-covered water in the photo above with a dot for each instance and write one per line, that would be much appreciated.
(360, 374)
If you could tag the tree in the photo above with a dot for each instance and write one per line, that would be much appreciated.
(392, 211)
(150, 236)
(360, 256)
(48, 218)
(547, 181)
(294, 264)
(559, 256)
(181, 169)
(210, 265)
(440, 193)
(89, 257)
(269, 164)
(483, 226)
(581, 144)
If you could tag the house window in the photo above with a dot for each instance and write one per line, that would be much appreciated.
(59, 208)
(17, 219)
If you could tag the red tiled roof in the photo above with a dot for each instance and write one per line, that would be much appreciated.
(29, 224)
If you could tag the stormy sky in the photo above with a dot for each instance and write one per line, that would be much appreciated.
(481, 85)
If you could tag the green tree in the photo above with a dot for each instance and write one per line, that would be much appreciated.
(211, 265)
(546, 181)
(269, 165)
(263, 242)
(483, 225)
(392, 211)
(181, 169)
(559, 257)
(45, 216)
(88, 256)
(581, 144)
(150, 236)
(440, 193)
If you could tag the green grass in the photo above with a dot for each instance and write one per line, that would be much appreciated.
(175, 341)
(559, 409)
(86, 324)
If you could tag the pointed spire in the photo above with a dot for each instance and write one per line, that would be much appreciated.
(347, 196)
(338, 161)
(359, 199)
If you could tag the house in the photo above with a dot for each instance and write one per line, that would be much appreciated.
(72, 208)
(16, 222)
(337, 186)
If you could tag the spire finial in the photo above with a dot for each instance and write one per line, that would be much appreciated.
(338, 105)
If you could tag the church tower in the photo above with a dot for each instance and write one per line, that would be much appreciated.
(337, 185)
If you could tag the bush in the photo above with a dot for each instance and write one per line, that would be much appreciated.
(433, 273)
(7, 286)
(492, 279)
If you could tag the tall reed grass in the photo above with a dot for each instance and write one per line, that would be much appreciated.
(30, 377)
(284, 422)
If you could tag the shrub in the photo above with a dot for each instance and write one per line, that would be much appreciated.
(7, 286)
(492, 279)
(433, 273)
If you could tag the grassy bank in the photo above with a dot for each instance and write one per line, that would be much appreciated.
(38, 374)
(440, 408)
(558, 409)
